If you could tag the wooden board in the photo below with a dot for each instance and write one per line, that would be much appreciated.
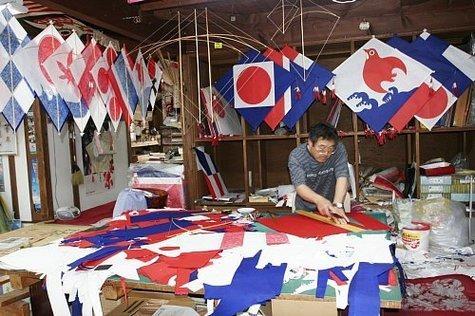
(40, 234)
(327, 220)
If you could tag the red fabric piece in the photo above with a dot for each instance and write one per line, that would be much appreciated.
(441, 171)
(235, 228)
(232, 240)
(143, 255)
(85, 234)
(94, 263)
(190, 260)
(151, 223)
(118, 224)
(81, 244)
(309, 228)
(183, 277)
(392, 278)
(91, 216)
(336, 279)
(158, 272)
(276, 239)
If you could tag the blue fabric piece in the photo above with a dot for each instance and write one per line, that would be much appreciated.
(401, 274)
(76, 307)
(318, 76)
(446, 73)
(129, 200)
(119, 235)
(323, 276)
(150, 172)
(363, 297)
(338, 271)
(283, 79)
(249, 286)
(159, 215)
(99, 254)
(194, 275)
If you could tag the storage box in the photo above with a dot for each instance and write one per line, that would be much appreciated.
(285, 307)
(438, 180)
(435, 189)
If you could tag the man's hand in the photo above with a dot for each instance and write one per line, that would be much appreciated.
(324, 206)
(339, 215)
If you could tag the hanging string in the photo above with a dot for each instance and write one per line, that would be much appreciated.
(209, 67)
(198, 77)
(180, 61)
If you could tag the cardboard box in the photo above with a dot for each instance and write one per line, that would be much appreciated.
(284, 307)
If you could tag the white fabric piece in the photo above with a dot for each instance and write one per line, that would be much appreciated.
(126, 268)
(57, 300)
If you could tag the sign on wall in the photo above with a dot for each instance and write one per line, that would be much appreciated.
(8, 142)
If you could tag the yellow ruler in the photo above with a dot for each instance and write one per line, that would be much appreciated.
(327, 220)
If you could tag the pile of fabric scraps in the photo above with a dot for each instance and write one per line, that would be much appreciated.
(448, 295)
(240, 265)
(426, 264)
(382, 185)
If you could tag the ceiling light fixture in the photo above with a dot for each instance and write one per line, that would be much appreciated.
(364, 25)
(343, 1)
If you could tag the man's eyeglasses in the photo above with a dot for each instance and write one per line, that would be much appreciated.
(325, 150)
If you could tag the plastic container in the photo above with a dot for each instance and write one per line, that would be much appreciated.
(415, 236)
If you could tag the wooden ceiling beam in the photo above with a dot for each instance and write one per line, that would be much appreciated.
(172, 4)
(91, 19)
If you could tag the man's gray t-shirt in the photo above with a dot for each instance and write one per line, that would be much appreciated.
(320, 177)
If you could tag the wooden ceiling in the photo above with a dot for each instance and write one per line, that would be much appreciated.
(260, 19)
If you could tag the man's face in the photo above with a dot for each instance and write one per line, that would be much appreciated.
(322, 149)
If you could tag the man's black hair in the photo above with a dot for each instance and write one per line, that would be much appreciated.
(324, 131)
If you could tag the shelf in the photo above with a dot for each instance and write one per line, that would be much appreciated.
(346, 134)
(145, 144)
(173, 144)
(449, 129)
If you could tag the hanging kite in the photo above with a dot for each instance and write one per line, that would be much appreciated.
(377, 80)
(432, 99)
(16, 95)
(87, 85)
(253, 86)
(66, 81)
(100, 73)
(30, 61)
(144, 83)
(155, 73)
(311, 78)
(124, 85)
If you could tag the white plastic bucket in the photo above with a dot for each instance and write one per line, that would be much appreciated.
(415, 236)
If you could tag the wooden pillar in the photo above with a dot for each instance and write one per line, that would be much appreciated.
(417, 149)
(73, 161)
(42, 158)
(13, 185)
(189, 113)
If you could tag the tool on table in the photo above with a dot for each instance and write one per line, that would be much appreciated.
(350, 220)
(351, 228)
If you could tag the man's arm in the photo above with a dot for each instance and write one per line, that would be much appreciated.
(322, 204)
(341, 188)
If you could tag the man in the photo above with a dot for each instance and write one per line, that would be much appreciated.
(319, 172)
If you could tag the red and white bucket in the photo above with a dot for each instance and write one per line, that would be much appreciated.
(416, 236)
